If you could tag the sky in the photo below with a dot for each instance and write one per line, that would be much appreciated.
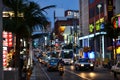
(60, 4)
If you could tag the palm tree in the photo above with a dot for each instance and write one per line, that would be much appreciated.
(13, 25)
(22, 26)
(32, 16)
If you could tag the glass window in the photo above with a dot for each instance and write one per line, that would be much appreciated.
(83, 60)
(91, 13)
(91, 1)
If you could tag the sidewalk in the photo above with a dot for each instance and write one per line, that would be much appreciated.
(38, 73)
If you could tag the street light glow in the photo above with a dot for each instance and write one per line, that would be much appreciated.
(99, 6)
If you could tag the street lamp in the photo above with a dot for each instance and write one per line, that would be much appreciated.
(101, 57)
(99, 7)
(75, 30)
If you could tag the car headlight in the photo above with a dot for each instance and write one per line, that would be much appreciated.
(71, 61)
(91, 64)
(82, 64)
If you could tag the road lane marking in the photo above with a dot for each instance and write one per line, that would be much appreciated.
(45, 73)
(77, 74)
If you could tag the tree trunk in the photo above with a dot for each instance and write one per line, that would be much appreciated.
(17, 55)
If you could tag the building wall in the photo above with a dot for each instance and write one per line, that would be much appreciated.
(67, 20)
(90, 15)
(117, 7)
(84, 12)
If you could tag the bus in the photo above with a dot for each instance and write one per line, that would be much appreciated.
(67, 56)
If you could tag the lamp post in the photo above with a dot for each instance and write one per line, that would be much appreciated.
(75, 31)
(99, 8)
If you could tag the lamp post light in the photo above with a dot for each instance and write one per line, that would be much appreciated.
(99, 7)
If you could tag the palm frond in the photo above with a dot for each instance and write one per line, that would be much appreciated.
(47, 7)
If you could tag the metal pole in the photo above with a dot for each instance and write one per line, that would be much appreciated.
(1, 44)
(99, 7)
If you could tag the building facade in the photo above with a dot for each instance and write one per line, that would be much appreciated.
(67, 27)
(93, 15)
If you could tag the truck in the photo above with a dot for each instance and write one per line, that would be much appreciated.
(116, 69)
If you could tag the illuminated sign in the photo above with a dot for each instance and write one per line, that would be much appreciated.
(98, 25)
(91, 27)
(7, 42)
(109, 9)
(116, 22)
(5, 56)
(8, 39)
(119, 21)
(73, 13)
(61, 28)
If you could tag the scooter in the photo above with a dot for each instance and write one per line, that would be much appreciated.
(61, 70)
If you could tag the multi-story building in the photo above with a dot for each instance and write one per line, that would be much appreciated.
(67, 27)
(116, 6)
(93, 15)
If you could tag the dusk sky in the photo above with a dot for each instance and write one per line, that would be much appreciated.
(60, 4)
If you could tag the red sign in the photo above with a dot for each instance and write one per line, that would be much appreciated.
(8, 39)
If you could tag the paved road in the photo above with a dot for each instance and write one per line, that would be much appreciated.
(40, 73)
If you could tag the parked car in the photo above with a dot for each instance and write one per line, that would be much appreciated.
(83, 63)
(116, 69)
(52, 64)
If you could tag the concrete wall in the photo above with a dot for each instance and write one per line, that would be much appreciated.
(84, 17)
(117, 7)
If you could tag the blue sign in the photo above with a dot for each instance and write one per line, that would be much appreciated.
(102, 26)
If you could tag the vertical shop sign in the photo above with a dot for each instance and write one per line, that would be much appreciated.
(110, 9)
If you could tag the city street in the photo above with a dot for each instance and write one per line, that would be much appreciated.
(60, 39)
(40, 73)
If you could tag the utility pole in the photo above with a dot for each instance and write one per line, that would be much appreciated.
(1, 44)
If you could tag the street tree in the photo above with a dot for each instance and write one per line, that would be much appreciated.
(27, 14)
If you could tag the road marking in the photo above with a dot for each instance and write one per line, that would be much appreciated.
(77, 74)
(45, 73)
